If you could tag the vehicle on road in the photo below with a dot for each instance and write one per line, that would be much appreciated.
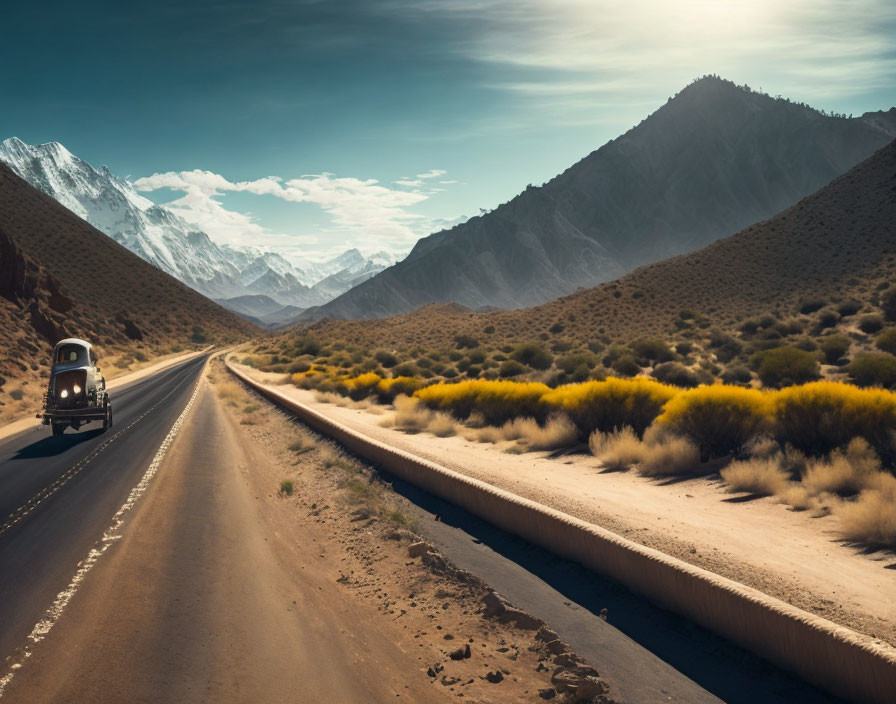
(77, 392)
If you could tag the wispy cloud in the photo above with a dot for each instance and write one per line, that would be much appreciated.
(364, 210)
(567, 58)
(432, 173)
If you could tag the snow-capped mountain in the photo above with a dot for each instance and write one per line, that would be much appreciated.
(113, 206)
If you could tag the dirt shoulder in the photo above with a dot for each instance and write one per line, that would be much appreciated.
(794, 556)
(347, 530)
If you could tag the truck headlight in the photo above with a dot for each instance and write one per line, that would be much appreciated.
(63, 393)
(76, 389)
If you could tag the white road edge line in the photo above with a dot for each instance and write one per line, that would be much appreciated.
(113, 533)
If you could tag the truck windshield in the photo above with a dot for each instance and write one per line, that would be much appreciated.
(69, 353)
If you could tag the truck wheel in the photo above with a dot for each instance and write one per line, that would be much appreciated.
(58, 428)
(107, 417)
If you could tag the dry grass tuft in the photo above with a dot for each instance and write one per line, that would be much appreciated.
(230, 391)
(845, 472)
(671, 456)
(412, 416)
(757, 476)
(617, 450)
(442, 425)
(559, 431)
(871, 518)
(797, 497)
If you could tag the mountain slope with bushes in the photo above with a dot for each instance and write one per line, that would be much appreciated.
(812, 285)
(716, 158)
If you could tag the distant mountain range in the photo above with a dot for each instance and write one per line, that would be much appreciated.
(714, 159)
(833, 248)
(157, 235)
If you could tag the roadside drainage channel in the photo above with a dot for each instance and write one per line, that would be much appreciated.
(837, 659)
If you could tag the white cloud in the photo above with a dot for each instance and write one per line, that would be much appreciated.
(360, 210)
(432, 173)
(411, 183)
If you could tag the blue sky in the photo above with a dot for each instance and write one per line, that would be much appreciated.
(304, 125)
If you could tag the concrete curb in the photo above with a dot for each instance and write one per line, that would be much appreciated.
(841, 661)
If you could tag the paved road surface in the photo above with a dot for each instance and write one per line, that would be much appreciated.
(90, 475)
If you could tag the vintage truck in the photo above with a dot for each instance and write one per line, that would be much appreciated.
(77, 392)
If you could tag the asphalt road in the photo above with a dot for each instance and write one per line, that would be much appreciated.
(198, 601)
(59, 494)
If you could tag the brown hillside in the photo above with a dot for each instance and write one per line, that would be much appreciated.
(835, 245)
(61, 277)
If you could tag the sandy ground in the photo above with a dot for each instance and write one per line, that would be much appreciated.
(113, 382)
(794, 556)
(224, 590)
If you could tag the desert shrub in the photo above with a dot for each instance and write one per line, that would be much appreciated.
(886, 341)
(532, 355)
(442, 425)
(870, 324)
(387, 359)
(757, 475)
(847, 471)
(786, 366)
(611, 404)
(558, 431)
(617, 450)
(476, 356)
(871, 517)
(652, 350)
(299, 367)
(510, 368)
(361, 386)
(450, 373)
(670, 456)
(819, 417)
(405, 369)
(496, 401)
(737, 376)
(308, 345)
(811, 305)
(411, 415)
(827, 318)
(286, 487)
(626, 365)
(888, 305)
(466, 341)
(873, 370)
(790, 327)
(572, 362)
(725, 346)
(849, 307)
(834, 347)
(721, 420)
(676, 374)
(749, 327)
(388, 389)
(806, 343)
